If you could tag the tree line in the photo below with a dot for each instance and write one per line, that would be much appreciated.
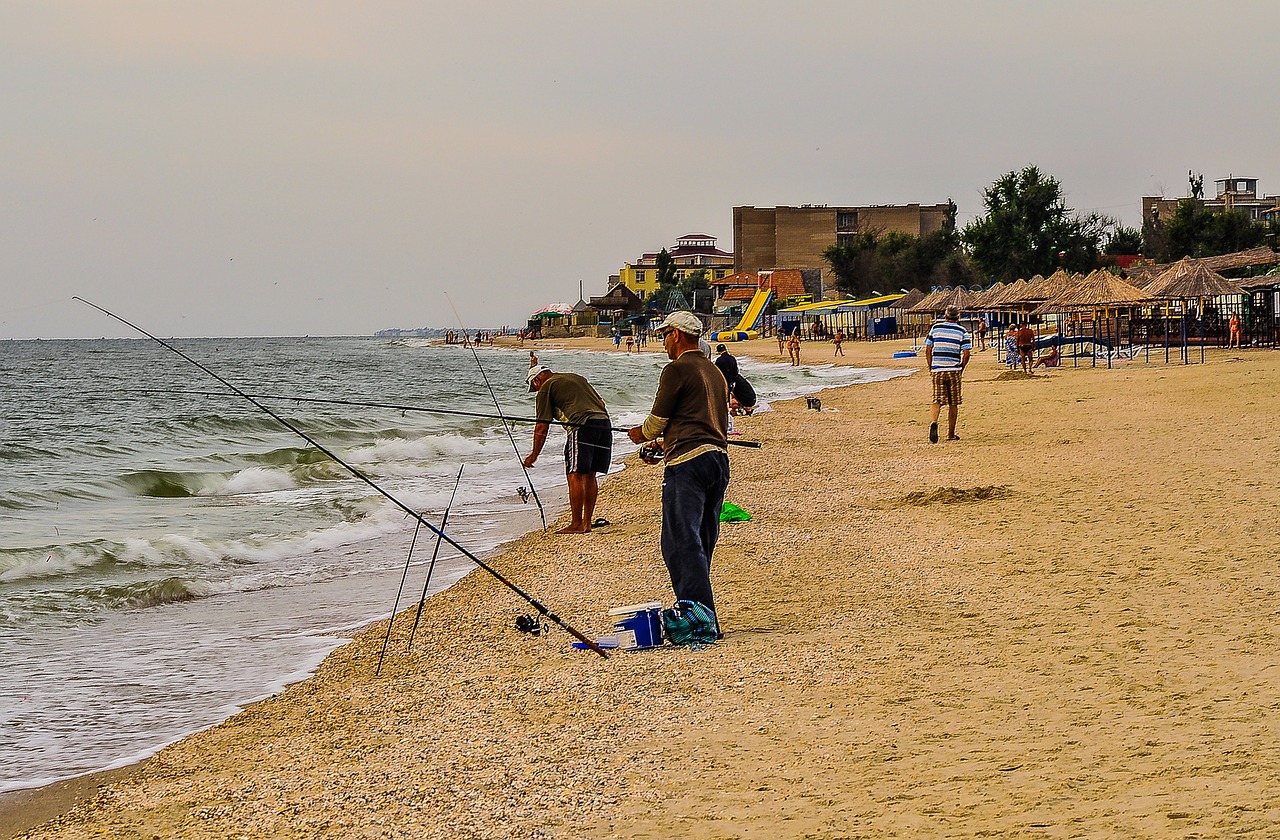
(1028, 229)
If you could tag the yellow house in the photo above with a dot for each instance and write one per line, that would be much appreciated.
(693, 251)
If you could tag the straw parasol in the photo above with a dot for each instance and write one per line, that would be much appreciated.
(1010, 293)
(929, 302)
(959, 297)
(1099, 290)
(909, 300)
(984, 299)
(1190, 278)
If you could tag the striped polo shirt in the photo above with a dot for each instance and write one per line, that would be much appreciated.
(948, 340)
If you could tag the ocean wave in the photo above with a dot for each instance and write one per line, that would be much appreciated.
(147, 593)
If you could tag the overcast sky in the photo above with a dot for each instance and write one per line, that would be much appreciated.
(261, 168)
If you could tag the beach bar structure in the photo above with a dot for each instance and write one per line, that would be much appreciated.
(868, 318)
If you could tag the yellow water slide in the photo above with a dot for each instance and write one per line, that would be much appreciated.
(746, 328)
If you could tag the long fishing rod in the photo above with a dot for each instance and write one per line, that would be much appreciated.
(395, 607)
(498, 408)
(431, 568)
(537, 605)
(751, 444)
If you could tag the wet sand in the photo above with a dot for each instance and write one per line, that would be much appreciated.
(1064, 624)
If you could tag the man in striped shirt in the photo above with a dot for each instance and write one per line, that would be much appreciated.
(946, 349)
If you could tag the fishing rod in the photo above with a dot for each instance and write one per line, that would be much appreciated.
(751, 444)
(498, 408)
(537, 605)
(395, 607)
(427, 583)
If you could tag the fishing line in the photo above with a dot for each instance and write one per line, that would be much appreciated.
(493, 394)
(750, 444)
(426, 583)
(537, 605)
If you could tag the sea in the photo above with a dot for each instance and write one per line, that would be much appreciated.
(170, 552)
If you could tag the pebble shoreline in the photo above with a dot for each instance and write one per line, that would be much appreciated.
(1049, 627)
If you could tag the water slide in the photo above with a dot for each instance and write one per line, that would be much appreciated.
(746, 328)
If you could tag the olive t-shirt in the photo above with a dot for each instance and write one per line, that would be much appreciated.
(568, 398)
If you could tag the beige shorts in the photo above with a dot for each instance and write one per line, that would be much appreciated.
(946, 387)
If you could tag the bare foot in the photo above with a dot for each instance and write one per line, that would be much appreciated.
(575, 529)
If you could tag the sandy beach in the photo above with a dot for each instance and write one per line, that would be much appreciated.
(1064, 624)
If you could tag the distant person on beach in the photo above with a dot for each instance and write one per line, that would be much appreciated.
(982, 333)
(793, 346)
(1234, 325)
(617, 339)
(1025, 338)
(631, 343)
(687, 415)
(782, 342)
(741, 395)
(837, 340)
(569, 399)
(946, 351)
(1051, 359)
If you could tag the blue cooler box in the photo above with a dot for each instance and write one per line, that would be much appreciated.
(638, 626)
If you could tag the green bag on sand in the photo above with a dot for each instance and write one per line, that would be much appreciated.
(732, 513)
(690, 623)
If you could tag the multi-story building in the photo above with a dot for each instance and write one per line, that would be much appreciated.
(692, 252)
(795, 237)
(1232, 194)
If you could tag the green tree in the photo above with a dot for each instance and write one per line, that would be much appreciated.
(1199, 231)
(1124, 240)
(666, 270)
(1028, 225)
(869, 261)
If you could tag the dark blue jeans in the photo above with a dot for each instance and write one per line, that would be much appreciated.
(692, 495)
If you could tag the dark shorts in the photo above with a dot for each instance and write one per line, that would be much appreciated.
(589, 448)
(1026, 349)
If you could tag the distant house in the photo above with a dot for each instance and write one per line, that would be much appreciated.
(692, 252)
(617, 304)
(1240, 194)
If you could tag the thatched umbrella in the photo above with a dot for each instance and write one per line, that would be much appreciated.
(1009, 295)
(908, 300)
(1099, 290)
(929, 302)
(1189, 278)
(983, 299)
(959, 297)
(1140, 276)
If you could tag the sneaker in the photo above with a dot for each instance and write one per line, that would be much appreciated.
(933, 433)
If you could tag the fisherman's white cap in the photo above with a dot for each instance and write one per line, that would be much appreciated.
(533, 374)
(685, 322)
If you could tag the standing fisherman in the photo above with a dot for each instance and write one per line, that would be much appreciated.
(689, 415)
(568, 398)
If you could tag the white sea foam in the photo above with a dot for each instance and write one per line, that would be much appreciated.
(254, 480)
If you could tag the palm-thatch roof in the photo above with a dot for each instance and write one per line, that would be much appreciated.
(909, 300)
(1190, 278)
(929, 302)
(1141, 276)
(1262, 255)
(959, 297)
(1097, 290)
(1266, 281)
(1011, 295)
(983, 299)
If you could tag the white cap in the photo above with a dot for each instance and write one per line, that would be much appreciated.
(685, 322)
(533, 374)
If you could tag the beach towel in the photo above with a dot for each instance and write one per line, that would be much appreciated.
(690, 623)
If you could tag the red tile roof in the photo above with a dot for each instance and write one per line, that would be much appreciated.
(785, 282)
(740, 293)
(742, 278)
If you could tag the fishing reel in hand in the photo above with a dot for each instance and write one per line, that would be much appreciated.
(651, 452)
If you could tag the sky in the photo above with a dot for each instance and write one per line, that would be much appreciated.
(261, 168)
